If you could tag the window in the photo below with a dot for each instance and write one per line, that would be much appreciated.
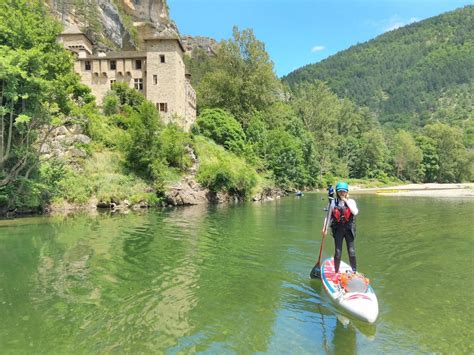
(163, 107)
(162, 58)
(138, 84)
(155, 79)
(113, 65)
(138, 64)
(112, 82)
(87, 65)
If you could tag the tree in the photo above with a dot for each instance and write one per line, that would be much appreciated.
(407, 156)
(284, 156)
(242, 79)
(370, 159)
(37, 86)
(222, 128)
(144, 152)
(450, 150)
(318, 109)
(429, 167)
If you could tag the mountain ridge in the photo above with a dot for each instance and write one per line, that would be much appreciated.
(403, 75)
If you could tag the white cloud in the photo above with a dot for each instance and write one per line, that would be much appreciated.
(317, 49)
(395, 22)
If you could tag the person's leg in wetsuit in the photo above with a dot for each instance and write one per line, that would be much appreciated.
(351, 249)
(338, 238)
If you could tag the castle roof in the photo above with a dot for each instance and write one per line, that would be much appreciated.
(166, 38)
(117, 55)
(72, 29)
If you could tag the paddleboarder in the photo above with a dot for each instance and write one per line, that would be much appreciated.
(330, 192)
(342, 211)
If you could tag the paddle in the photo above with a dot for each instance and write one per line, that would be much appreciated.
(316, 270)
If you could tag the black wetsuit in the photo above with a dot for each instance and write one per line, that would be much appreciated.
(343, 229)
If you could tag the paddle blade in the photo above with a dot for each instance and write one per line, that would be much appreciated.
(315, 272)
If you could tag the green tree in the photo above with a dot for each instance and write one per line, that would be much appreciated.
(199, 63)
(221, 127)
(407, 156)
(371, 157)
(319, 109)
(144, 153)
(174, 143)
(221, 170)
(242, 79)
(284, 157)
(37, 86)
(450, 150)
(127, 95)
(429, 167)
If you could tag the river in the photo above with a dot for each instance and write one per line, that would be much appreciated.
(235, 279)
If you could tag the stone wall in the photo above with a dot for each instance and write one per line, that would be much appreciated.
(100, 77)
(170, 84)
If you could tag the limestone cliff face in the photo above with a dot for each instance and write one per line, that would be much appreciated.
(206, 44)
(155, 11)
(115, 24)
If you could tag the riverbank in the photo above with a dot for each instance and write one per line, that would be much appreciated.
(425, 190)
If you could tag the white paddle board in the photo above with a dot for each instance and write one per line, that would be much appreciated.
(358, 299)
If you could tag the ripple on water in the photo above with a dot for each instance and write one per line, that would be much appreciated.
(234, 279)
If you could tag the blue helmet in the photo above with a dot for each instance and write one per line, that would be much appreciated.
(342, 186)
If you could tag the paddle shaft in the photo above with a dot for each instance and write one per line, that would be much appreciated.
(324, 234)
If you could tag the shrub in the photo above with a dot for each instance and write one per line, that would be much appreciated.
(222, 128)
(144, 146)
(111, 103)
(173, 146)
(127, 95)
(221, 170)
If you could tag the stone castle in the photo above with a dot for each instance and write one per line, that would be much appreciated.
(158, 71)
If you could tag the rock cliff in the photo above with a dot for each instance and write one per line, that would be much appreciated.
(206, 44)
(114, 24)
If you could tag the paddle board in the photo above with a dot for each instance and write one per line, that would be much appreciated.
(358, 300)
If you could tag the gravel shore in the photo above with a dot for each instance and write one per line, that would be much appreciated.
(428, 190)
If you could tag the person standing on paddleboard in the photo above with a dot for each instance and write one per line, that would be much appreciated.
(342, 212)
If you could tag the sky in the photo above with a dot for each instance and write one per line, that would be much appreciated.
(300, 32)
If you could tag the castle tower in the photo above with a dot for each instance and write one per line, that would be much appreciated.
(73, 39)
(166, 81)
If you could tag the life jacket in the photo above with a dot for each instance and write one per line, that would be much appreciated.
(341, 214)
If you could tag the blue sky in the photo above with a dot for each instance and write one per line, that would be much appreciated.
(300, 32)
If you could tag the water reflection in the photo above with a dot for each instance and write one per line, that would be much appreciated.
(229, 279)
(340, 332)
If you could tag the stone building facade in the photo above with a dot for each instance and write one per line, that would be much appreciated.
(158, 72)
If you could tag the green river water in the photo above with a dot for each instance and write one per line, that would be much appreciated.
(235, 279)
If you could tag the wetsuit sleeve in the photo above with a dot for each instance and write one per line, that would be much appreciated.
(352, 206)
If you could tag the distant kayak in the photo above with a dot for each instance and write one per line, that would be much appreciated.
(351, 292)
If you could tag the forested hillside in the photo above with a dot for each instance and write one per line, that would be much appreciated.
(409, 77)
(309, 134)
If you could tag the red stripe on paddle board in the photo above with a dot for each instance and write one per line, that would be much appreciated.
(356, 296)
